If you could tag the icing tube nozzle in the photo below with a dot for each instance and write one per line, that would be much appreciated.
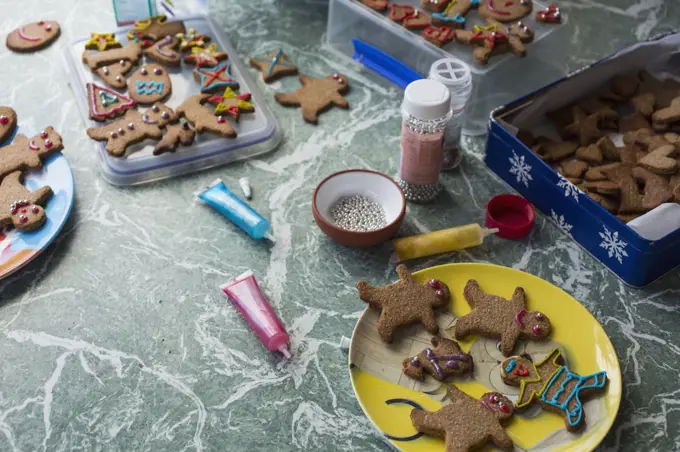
(284, 351)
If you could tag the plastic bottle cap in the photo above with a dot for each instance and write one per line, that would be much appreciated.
(512, 215)
(451, 72)
(426, 99)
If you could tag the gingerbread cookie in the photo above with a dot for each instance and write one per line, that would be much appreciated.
(454, 14)
(273, 65)
(27, 154)
(164, 52)
(631, 199)
(550, 15)
(662, 118)
(32, 37)
(496, 317)
(191, 39)
(439, 36)
(467, 423)
(400, 12)
(149, 84)
(656, 188)
(505, 10)
(633, 122)
(644, 104)
(316, 95)
(584, 127)
(132, 52)
(153, 29)
(8, 122)
(133, 128)
(596, 173)
(20, 207)
(591, 154)
(203, 119)
(645, 138)
(444, 361)
(664, 91)
(102, 41)
(659, 161)
(114, 74)
(552, 151)
(105, 103)
(574, 168)
(416, 21)
(552, 384)
(405, 302)
(436, 6)
(175, 134)
(603, 187)
(232, 104)
(378, 5)
(608, 117)
(496, 38)
(215, 78)
(205, 57)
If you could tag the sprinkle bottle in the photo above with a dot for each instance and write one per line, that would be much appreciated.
(426, 109)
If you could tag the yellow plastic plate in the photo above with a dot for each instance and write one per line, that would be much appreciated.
(387, 396)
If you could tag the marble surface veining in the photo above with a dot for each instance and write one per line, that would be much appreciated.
(118, 338)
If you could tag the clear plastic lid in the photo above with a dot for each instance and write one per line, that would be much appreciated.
(456, 76)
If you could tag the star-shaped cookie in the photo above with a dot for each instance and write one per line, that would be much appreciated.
(585, 127)
(273, 65)
(405, 302)
(191, 39)
(205, 57)
(495, 317)
(232, 104)
(102, 41)
(215, 78)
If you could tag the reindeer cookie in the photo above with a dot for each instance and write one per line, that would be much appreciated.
(405, 302)
(27, 154)
(133, 128)
(553, 385)
(19, 207)
(203, 119)
(316, 95)
(445, 360)
(467, 423)
(496, 317)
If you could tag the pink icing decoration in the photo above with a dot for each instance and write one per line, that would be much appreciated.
(125, 103)
(33, 146)
(518, 318)
(163, 42)
(24, 36)
(489, 4)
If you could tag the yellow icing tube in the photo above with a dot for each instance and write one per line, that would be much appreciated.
(439, 242)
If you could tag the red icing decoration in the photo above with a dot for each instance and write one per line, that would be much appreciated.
(492, 38)
(550, 14)
(24, 210)
(43, 135)
(123, 104)
(4, 120)
(489, 4)
(521, 371)
(504, 407)
(24, 220)
(441, 34)
(48, 144)
(35, 209)
(537, 330)
(400, 12)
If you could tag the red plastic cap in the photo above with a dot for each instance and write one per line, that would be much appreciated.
(511, 214)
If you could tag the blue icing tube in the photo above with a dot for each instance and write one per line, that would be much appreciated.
(220, 198)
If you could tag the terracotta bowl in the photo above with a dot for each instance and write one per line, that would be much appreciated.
(370, 184)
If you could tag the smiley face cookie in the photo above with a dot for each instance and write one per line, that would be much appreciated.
(32, 37)
(505, 10)
(8, 121)
(149, 84)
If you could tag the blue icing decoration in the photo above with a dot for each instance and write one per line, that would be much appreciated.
(149, 87)
(107, 99)
(217, 77)
(444, 18)
(475, 2)
(575, 415)
(511, 365)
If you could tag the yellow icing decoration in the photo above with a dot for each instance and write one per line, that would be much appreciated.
(493, 27)
(102, 41)
(523, 383)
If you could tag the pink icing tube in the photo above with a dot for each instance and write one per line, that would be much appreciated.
(253, 304)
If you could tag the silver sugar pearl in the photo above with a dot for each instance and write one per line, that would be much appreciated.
(358, 213)
(131, 126)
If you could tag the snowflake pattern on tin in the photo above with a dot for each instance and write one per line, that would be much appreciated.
(520, 169)
(615, 247)
(570, 190)
(561, 223)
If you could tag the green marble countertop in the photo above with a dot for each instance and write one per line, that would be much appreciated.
(117, 338)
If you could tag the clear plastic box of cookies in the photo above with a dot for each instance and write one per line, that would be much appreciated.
(257, 132)
(503, 79)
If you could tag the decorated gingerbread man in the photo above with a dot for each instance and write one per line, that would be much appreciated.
(445, 360)
(133, 128)
(496, 317)
(316, 95)
(27, 154)
(553, 385)
(467, 423)
(405, 302)
(454, 14)
(496, 38)
(20, 207)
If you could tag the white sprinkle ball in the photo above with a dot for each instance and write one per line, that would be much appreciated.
(358, 213)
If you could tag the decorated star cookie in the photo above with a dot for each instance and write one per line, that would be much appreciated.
(8, 121)
(164, 52)
(273, 65)
(553, 385)
(32, 37)
(446, 359)
(20, 207)
(454, 14)
(316, 95)
(102, 41)
(505, 10)
(467, 423)
(203, 119)
(191, 39)
(405, 302)
(205, 57)
(25, 154)
(150, 30)
(232, 104)
(175, 134)
(133, 128)
(215, 78)
(105, 103)
(495, 317)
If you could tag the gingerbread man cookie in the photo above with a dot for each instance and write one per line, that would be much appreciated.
(496, 38)
(27, 154)
(175, 134)
(8, 121)
(454, 14)
(19, 207)
(405, 302)
(133, 128)
(467, 423)
(316, 95)
(203, 119)
(496, 317)
(32, 37)
(552, 384)
(164, 52)
(445, 360)
(273, 65)
(505, 10)
(149, 84)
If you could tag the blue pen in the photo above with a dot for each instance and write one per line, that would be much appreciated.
(220, 198)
